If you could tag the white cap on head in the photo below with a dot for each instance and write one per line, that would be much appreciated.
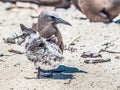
(50, 13)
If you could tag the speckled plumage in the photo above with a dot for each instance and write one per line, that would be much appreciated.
(43, 52)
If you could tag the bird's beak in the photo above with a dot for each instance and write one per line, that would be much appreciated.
(59, 20)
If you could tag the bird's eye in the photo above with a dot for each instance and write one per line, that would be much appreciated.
(53, 17)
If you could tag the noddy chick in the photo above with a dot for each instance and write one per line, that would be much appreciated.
(46, 55)
(47, 26)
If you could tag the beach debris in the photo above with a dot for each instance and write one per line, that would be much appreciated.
(97, 61)
(70, 48)
(68, 82)
(2, 61)
(9, 40)
(117, 57)
(91, 55)
(15, 51)
(105, 45)
(33, 16)
(1, 55)
(17, 64)
(15, 39)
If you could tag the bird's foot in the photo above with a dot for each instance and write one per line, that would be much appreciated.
(44, 75)
(50, 75)
(41, 74)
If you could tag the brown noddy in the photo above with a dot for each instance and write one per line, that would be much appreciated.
(47, 26)
(99, 10)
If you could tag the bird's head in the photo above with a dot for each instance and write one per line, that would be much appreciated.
(29, 32)
(50, 17)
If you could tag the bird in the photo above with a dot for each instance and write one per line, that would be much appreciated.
(99, 10)
(47, 26)
(55, 3)
(43, 42)
(44, 53)
(76, 5)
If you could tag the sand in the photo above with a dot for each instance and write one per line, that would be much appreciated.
(17, 73)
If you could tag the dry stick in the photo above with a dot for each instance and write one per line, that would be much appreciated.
(72, 43)
(97, 61)
(69, 81)
(2, 61)
(15, 51)
(30, 78)
(12, 40)
(106, 45)
(1, 55)
(74, 40)
(34, 16)
(20, 7)
(91, 55)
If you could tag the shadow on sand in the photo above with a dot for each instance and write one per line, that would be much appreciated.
(63, 72)
(117, 21)
(109, 22)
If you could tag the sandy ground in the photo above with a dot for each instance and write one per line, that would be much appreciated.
(17, 73)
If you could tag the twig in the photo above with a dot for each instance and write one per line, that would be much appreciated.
(106, 45)
(72, 42)
(113, 52)
(2, 60)
(1, 55)
(34, 16)
(12, 39)
(15, 51)
(97, 61)
(30, 78)
(69, 81)
(91, 55)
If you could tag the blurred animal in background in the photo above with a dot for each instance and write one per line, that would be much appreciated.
(55, 3)
(43, 52)
(94, 10)
(99, 10)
